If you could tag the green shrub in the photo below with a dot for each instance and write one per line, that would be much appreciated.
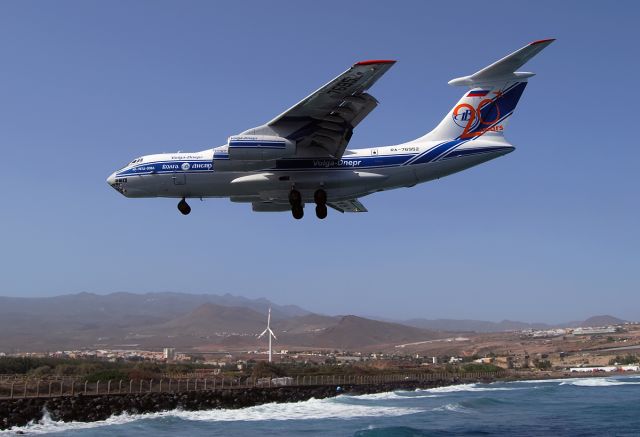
(106, 375)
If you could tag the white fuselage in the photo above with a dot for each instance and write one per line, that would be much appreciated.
(358, 173)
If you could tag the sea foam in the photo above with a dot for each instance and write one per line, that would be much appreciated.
(597, 382)
(332, 408)
(469, 387)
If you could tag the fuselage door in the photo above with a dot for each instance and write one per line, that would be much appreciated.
(179, 178)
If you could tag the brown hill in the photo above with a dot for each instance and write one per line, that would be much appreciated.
(310, 323)
(604, 320)
(354, 332)
(215, 320)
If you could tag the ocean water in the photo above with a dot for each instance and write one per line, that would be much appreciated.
(560, 407)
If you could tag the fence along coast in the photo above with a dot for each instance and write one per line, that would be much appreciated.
(73, 400)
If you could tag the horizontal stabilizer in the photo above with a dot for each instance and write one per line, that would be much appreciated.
(506, 68)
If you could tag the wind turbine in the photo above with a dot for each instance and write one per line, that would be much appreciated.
(271, 334)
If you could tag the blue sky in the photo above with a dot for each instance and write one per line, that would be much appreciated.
(547, 233)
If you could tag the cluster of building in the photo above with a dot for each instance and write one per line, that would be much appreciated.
(595, 369)
(112, 355)
(559, 332)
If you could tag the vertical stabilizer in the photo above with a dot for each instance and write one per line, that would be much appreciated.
(494, 95)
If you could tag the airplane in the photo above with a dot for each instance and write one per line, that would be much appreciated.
(300, 157)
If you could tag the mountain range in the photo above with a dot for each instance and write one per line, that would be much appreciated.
(505, 325)
(192, 321)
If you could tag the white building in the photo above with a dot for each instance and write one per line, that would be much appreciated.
(169, 353)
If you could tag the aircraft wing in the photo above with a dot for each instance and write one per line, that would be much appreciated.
(351, 205)
(321, 124)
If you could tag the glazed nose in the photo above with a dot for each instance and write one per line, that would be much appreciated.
(111, 179)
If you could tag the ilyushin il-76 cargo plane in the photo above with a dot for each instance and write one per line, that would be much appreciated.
(300, 157)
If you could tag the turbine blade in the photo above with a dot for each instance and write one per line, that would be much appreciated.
(274, 336)
(263, 333)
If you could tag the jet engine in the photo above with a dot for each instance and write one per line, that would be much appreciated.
(254, 152)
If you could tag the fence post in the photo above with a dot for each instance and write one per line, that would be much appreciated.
(160, 387)
(120, 387)
(38, 389)
(196, 385)
(50, 388)
(222, 382)
(170, 384)
(85, 387)
(98, 387)
(150, 385)
(12, 385)
(130, 386)
(187, 384)
(73, 387)
(178, 384)
(109, 387)
(214, 383)
(205, 384)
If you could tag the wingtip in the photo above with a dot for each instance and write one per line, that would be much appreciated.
(541, 41)
(376, 61)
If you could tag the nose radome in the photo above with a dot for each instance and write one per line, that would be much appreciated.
(111, 179)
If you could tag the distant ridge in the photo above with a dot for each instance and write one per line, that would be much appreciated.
(601, 321)
(453, 325)
(160, 304)
(353, 332)
(154, 320)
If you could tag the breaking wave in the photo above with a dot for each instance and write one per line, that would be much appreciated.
(468, 387)
(333, 408)
(453, 407)
(598, 382)
(416, 394)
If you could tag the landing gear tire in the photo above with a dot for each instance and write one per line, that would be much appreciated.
(297, 211)
(320, 197)
(295, 198)
(184, 207)
(321, 211)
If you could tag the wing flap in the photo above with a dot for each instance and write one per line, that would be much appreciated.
(350, 205)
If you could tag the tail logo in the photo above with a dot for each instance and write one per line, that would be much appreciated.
(479, 119)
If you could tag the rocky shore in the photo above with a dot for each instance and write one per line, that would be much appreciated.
(19, 412)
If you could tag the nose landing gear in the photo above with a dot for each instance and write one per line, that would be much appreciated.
(184, 207)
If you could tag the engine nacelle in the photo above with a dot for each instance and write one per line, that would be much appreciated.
(251, 152)
(259, 148)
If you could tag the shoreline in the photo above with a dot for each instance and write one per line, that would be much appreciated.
(92, 408)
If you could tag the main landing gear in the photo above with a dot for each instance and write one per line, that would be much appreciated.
(319, 197)
(184, 207)
(295, 200)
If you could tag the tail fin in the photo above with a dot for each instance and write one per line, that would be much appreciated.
(495, 92)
